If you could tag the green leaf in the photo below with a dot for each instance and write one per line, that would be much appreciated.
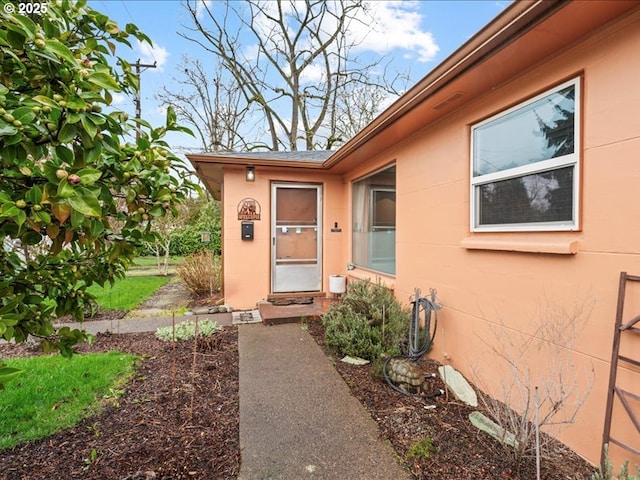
(92, 154)
(86, 203)
(61, 50)
(33, 195)
(9, 319)
(67, 133)
(65, 189)
(28, 26)
(45, 101)
(20, 217)
(8, 373)
(7, 130)
(64, 154)
(89, 126)
(24, 114)
(156, 211)
(31, 238)
(104, 80)
(89, 175)
(171, 116)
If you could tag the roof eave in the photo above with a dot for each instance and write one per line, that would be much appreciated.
(507, 26)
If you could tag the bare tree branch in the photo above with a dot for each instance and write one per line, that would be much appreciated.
(291, 62)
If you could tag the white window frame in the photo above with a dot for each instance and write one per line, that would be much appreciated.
(570, 160)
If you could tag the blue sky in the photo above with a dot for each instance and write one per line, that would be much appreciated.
(417, 34)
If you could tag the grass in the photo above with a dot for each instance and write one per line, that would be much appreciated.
(150, 261)
(126, 294)
(55, 393)
(148, 265)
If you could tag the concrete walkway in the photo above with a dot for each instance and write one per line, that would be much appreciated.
(298, 418)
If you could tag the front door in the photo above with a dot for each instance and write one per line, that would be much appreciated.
(296, 248)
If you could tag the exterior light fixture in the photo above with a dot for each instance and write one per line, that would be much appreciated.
(250, 174)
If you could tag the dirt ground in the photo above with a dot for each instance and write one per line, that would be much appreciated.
(179, 420)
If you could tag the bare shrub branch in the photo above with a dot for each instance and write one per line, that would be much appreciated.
(539, 359)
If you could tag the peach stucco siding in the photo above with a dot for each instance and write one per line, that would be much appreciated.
(493, 282)
(482, 288)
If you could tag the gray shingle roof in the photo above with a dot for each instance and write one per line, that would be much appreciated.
(311, 156)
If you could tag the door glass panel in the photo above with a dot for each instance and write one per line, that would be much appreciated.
(296, 226)
(296, 206)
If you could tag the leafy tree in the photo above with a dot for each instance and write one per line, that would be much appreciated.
(205, 217)
(74, 181)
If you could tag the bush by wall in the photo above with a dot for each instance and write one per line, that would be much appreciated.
(201, 272)
(367, 322)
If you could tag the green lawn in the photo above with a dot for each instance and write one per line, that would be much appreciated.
(126, 294)
(55, 393)
(151, 261)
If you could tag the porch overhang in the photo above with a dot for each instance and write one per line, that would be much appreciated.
(524, 35)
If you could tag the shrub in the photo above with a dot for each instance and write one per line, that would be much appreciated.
(187, 330)
(201, 272)
(608, 474)
(367, 322)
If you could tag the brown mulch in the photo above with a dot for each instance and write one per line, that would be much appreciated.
(176, 420)
(153, 431)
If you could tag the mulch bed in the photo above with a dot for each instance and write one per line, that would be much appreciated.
(460, 451)
(177, 421)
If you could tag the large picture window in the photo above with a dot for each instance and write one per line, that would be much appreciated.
(525, 165)
(374, 221)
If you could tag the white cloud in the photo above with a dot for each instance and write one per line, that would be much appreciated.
(394, 25)
(154, 53)
(202, 6)
(118, 98)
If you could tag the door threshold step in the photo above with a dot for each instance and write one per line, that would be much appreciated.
(275, 314)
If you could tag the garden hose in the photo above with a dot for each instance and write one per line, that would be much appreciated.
(420, 338)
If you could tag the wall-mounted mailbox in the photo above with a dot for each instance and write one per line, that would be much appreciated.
(247, 230)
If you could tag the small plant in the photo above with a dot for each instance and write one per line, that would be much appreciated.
(368, 322)
(91, 459)
(201, 272)
(422, 449)
(187, 330)
(607, 473)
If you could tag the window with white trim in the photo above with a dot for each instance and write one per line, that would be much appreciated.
(525, 165)
(374, 221)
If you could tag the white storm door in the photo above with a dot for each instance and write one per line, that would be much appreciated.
(296, 247)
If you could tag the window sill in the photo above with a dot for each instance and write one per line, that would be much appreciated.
(546, 243)
(359, 273)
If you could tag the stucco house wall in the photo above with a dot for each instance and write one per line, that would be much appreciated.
(481, 281)
(247, 264)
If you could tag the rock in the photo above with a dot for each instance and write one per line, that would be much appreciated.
(222, 309)
(458, 385)
(201, 311)
(482, 422)
(188, 313)
(214, 309)
(354, 360)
